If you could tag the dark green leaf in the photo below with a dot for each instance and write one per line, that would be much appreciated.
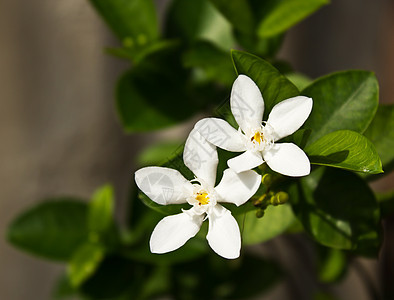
(339, 210)
(343, 100)
(238, 12)
(84, 263)
(381, 134)
(347, 150)
(134, 20)
(101, 209)
(275, 221)
(152, 95)
(214, 63)
(53, 229)
(274, 86)
(283, 14)
(195, 20)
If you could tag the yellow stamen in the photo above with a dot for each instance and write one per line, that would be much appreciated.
(202, 198)
(258, 137)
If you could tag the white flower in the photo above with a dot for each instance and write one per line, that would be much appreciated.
(167, 186)
(257, 138)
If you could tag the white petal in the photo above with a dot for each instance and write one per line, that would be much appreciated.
(221, 134)
(237, 188)
(163, 185)
(174, 231)
(288, 116)
(287, 159)
(246, 161)
(247, 104)
(223, 233)
(201, 157)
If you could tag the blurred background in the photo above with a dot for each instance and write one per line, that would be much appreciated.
(60, 134)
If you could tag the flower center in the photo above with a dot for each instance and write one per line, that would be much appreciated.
(202, 198)
(258, 137)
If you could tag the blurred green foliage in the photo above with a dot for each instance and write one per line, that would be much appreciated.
(183, 68)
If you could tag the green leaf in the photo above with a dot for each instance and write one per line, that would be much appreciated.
(101, 209)
(273, 85)
(84, 263)
(53, 229)
(381, 133)
(347, 150)
(332, 264)
(283, 14)
(195, 20)
(301, 81)
(152, 95)
(134, 20)
(214, 63)
(238, 12)
(158, 153)
(339, 210)
(275, 221)
(343, 100)
(136, 55)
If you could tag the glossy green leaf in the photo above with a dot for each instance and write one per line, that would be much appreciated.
(275, 221)
(238, 12)
(347, 150)
(343, 100)
(214, 63)
(134, 20)
(381, 133)
(53, 229)
(101, 209)
(273, 85)
(283, 14)
(195, 20)
(84, 263)
(339, 210)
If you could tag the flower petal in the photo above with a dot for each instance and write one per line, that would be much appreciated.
(287, 159)
(246, 161)
(174, 231)
(163, 185)
(223, 233)
(288, 116)
(201, 157)
(221, 134)
(247, 104)
(237, 188)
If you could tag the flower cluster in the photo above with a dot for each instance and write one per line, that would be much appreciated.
(257, 139)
